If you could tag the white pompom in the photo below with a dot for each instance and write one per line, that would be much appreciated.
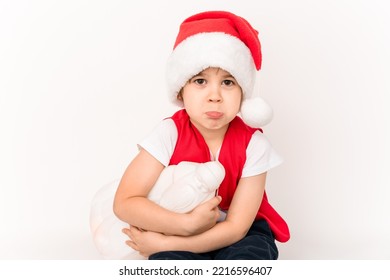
(256, 112)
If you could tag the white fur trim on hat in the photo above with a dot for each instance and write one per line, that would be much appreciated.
(213, 49)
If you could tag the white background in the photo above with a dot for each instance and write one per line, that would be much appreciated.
(81, 82)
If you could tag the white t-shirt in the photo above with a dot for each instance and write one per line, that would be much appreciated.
(260, 155)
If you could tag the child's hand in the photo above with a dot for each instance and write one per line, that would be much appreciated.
(145, 242)
(204, 216)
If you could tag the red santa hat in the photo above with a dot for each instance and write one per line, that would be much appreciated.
(225, 40)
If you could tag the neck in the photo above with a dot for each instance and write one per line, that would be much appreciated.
(213, 138)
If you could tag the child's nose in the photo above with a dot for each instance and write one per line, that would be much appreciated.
(215, 94)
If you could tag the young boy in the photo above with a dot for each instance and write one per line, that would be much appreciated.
(211, 74)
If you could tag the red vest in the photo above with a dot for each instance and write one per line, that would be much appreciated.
(191, 146)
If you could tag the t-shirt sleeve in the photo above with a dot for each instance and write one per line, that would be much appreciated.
(260, 156)
(161, 142)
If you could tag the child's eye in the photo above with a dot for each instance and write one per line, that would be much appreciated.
(228, 82)
(199, 81)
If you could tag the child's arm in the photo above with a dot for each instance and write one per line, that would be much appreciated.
(241, 214)
(132, 206)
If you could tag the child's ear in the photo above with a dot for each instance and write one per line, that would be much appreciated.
(180, 95)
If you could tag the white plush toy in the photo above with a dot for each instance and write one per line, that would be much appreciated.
(180, 188)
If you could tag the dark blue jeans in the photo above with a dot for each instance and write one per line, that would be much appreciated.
(258, 244)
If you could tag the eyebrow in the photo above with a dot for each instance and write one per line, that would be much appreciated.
(227, 75)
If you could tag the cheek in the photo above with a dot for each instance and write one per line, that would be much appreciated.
(191, 99)
(189, 102)
(236, 101)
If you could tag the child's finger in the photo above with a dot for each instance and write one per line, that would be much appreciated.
(126, 231)
(215, 201)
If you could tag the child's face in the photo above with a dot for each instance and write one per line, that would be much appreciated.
(212, 99)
